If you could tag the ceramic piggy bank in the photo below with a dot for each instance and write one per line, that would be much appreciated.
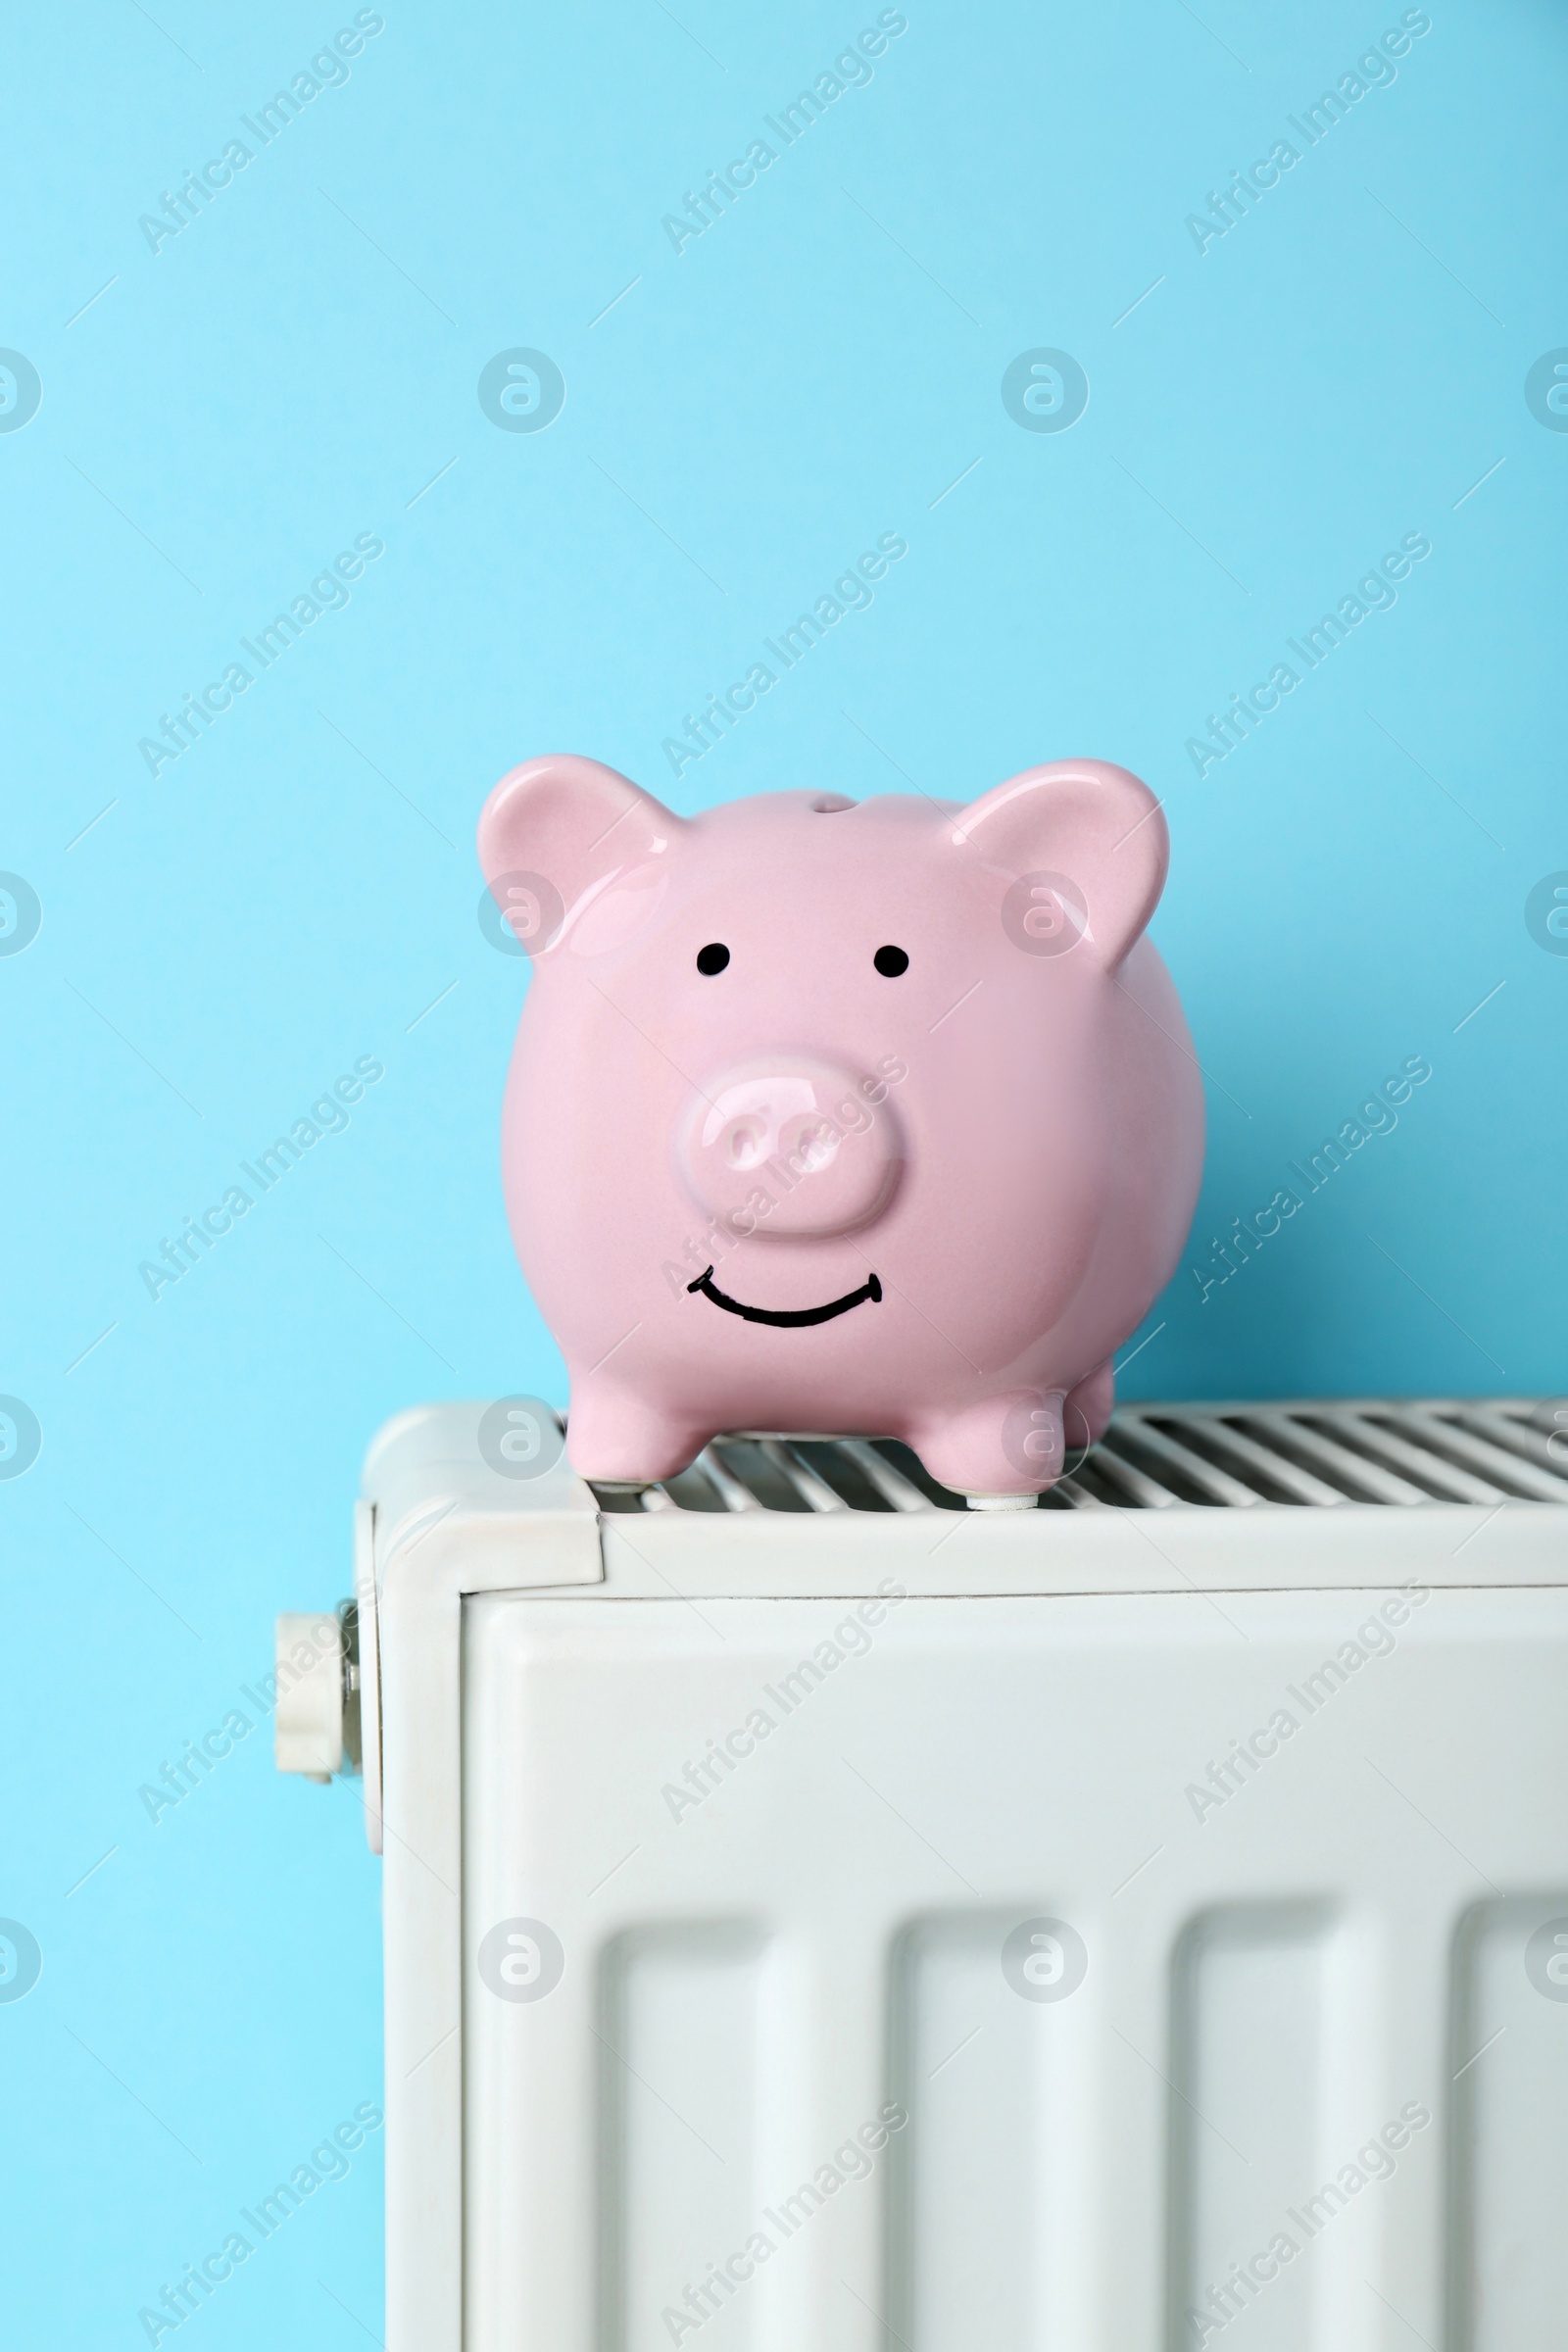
(873, 1117)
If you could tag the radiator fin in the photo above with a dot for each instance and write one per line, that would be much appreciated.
(1317, 1454)
(678, 2058)
(980, 2247)
(1248, 2143)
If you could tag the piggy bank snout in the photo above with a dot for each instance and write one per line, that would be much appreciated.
(790, 1144)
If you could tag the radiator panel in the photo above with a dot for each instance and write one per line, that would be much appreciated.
(775, 1939)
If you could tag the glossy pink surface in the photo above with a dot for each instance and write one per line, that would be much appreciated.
(798, 1191)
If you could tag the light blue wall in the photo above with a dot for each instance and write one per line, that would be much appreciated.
(1346, 364)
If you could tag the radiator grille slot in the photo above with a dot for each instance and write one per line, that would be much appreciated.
(1313, 1454)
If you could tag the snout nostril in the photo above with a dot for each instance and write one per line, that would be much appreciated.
(744, 1144)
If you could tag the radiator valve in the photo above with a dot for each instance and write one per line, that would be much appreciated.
(317, 1723)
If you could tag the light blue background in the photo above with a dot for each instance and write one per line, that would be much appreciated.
(296, 889)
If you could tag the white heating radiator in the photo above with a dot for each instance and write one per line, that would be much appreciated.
(821, 1919)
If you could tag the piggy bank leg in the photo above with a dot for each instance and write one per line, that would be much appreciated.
(623, 1440)
(1087, 1413)
(1002, 1452)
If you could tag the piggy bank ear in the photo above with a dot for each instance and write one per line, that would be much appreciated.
(556, 832)
(1086, 848)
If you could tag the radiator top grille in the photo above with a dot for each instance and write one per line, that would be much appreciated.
(1318, 1453)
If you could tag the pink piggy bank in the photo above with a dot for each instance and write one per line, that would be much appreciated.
(875, 1118)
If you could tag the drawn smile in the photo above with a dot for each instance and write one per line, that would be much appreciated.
(790, 1318)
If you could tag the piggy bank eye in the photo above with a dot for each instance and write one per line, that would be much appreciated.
(890, 962)
(711, 958)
